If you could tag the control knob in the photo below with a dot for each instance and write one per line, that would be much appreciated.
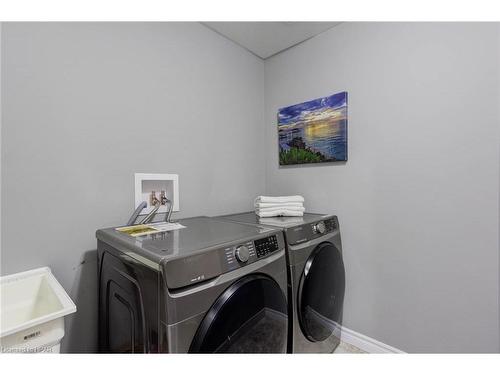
(242, 254)
(320, 227)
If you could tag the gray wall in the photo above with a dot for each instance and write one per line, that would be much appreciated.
(87, 105)
(418, 198)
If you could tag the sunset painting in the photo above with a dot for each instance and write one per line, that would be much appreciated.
(314, 131)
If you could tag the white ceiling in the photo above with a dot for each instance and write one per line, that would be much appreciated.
(265, 39)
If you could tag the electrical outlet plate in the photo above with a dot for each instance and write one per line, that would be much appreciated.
(145, 183)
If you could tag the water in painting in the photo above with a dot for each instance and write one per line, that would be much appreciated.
(314, 131)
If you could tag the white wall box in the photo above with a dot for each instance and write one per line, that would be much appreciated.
(145, 183)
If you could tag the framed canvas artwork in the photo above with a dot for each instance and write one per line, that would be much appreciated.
(314, 131)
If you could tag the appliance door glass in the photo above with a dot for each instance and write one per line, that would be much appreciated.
(321, 293)
(249, 317)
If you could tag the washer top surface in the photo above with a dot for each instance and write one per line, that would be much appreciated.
(200, 233)
(277, 221)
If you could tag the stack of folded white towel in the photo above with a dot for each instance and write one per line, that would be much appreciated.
(292, 205)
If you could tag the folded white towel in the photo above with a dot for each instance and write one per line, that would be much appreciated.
(284, 199)
(278, 212)
(291, 205)
(270, 209)
(280, 220)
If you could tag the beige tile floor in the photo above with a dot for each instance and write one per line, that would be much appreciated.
(345, 348)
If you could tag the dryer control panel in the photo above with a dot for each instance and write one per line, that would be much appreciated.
(307, 232)
(323, 227)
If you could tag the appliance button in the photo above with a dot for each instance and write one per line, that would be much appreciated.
(242, 254)
(320, 227)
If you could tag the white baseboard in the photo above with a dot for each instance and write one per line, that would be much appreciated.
(366, 343)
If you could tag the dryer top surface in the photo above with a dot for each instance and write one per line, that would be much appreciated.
(278, 221)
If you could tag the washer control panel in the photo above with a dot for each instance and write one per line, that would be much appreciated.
(240, 255)
(205, 265)
(237, 256)
(266, 246)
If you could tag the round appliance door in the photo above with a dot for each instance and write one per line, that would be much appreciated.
(249, 317)
(321, 293)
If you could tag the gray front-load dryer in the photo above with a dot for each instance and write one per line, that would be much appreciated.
(212, 286)
(316, 278)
